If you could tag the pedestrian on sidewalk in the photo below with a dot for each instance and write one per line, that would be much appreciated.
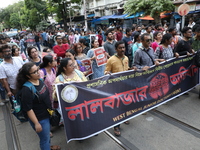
(36, 106)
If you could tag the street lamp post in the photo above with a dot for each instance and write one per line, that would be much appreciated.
(183, 18)
(85, 14)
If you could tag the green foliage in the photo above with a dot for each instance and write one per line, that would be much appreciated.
(150, 7)
(15, 20)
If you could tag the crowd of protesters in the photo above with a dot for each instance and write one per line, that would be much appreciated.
(138, 48)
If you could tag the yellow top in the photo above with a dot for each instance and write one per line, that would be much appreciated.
(76, 78)
(116, 64)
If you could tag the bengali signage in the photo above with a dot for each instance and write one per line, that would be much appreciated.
(91, 107)
(101, 57)
(88, 65)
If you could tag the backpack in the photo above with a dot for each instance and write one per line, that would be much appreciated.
(21, 115)
(61, 78)
(45, 72)
(51, 40)
(197, 58)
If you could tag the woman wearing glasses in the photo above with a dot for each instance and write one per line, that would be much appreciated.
(79, 52)
(36, 106)
(67, 73)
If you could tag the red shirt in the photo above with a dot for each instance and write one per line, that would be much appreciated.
(100, 39)
(60, 50)
(119, 36)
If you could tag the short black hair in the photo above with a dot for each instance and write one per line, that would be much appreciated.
(118, 43)
(147, 27)
(197, 29)
(128, 30)
(185, 29)
(118, 27)
(143, 35)
(4, 46)
(58, 36)
(83, 41)
(171, 29)
(109, 31)
(2, 37)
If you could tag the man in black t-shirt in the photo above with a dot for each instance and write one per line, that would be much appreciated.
(184, 47)
(128, 45)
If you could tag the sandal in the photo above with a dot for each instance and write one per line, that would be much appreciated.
(55, 147)
(127, 122)
(117, 131)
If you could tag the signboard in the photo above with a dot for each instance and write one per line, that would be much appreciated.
(197, 6)
(183, 9)
(101, 57)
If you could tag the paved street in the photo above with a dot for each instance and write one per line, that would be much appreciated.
(172, 126)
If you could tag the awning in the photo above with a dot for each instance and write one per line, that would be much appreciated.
(146, 18)
(176, 16)
(90, 15)
(106, 17)
(165, 14)
(192, 12)
(134, 16)
(119, 16)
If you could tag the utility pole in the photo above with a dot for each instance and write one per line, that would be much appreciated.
(183, 18)
(85, 14)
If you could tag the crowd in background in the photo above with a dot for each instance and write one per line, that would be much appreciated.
(137, 48)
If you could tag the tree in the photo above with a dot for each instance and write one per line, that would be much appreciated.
(64, 9)
(151, 7)
(5, 14)
(15, 20)
(34, 12)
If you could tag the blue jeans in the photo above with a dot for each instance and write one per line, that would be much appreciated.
(38, 45)
(44, 135)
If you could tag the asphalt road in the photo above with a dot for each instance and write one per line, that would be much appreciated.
(171, 126)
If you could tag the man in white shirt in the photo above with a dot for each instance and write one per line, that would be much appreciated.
(9, 69)
(77, 36)
(191, 23)
(178, 26)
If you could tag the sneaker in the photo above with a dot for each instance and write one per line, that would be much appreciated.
(1, 103)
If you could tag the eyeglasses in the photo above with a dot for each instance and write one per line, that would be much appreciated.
(71, 65)
(148, 40)
(35, 72)
(59, 38)
(6, 51)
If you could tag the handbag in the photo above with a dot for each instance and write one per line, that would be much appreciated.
(54, 117)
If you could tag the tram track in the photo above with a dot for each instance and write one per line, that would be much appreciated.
(11, 131)
(178, 123)
(126, 145)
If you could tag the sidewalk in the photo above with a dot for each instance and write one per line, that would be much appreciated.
(3, 140)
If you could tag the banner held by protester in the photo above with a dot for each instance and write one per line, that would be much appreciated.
(94, 106)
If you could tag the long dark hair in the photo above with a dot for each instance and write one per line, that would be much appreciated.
(165, 38)
(29, 50)
(63, 63)
(22, 76)
(13, 51)
(46, 60)
(137, 34)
